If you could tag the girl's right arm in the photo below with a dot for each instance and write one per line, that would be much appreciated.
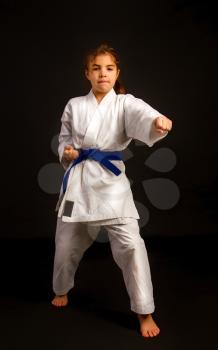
(65, 137)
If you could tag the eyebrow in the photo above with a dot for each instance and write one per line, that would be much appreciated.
(108, 65)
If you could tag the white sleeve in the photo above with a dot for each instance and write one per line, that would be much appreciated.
(139, 116)
(65, 136)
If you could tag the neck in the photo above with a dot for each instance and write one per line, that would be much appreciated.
(99, 96)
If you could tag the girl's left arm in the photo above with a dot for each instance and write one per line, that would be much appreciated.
(143, 122)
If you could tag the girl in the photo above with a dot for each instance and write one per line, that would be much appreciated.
(95, 190)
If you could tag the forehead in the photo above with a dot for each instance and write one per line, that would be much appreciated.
(103, 59)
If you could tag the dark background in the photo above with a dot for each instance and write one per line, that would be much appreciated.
(168, 52)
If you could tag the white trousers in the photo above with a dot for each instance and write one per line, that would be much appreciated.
(128, 250)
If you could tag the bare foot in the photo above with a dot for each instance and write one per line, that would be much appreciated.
(60, 300)
(147, 326)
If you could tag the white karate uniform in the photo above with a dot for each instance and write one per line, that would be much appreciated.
(98, 196)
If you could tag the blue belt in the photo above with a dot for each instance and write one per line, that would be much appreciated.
(102, 157)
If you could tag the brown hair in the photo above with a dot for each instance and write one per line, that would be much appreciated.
(104, 49)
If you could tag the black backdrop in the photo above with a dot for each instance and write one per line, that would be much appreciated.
(168, 52)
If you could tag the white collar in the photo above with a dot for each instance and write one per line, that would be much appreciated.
(107, 98)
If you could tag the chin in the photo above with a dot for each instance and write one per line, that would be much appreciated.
(104, 90)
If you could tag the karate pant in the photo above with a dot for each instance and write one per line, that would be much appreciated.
(128, 250)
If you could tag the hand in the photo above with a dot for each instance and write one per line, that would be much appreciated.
(70, 153)
(162, 124)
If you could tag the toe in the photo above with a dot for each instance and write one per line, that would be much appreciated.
(145, 334)
(151, 333)
(156, 331)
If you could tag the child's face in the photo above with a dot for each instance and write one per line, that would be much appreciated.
(102, 73)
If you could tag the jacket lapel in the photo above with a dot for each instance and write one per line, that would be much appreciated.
(99, 111)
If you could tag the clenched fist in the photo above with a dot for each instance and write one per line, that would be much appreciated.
(162, 124)
(70, 153)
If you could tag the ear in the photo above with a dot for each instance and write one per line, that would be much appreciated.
(87, 74)
(118, 72)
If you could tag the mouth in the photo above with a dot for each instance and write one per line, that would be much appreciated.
(103, 82)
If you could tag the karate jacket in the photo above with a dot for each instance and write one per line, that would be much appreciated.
(93, 192)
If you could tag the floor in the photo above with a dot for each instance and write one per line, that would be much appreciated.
(184, 276)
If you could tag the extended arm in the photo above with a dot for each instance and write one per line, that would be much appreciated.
(143, 122)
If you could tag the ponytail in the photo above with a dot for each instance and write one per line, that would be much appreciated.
(119, 88)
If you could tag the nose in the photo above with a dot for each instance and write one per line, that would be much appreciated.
(103, 73)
